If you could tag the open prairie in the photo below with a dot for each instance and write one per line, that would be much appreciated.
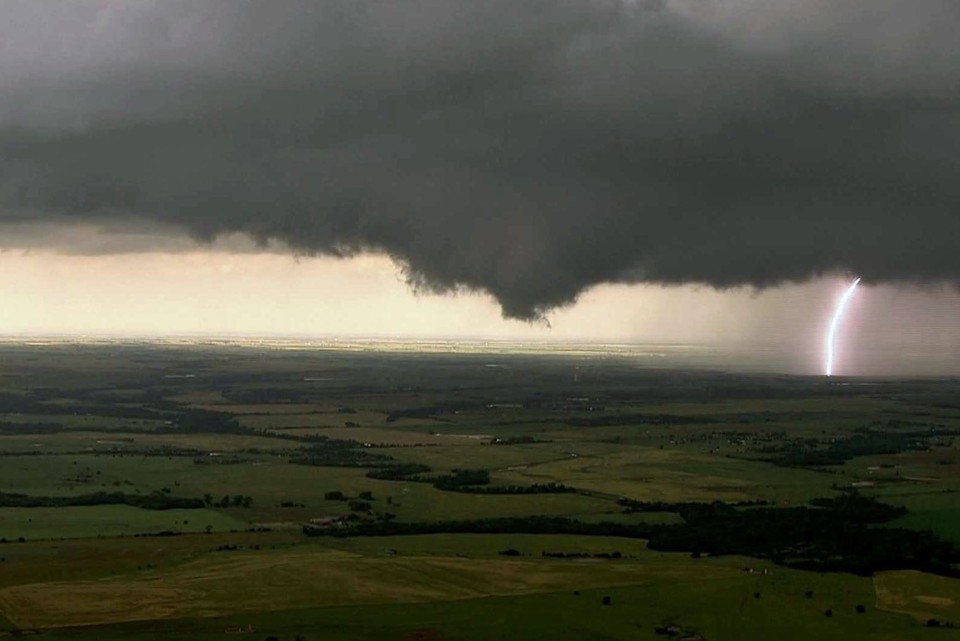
(152, 491)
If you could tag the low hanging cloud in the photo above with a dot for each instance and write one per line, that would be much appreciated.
(527, 149)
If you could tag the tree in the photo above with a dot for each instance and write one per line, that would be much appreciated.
(335, 495)
(359, 506)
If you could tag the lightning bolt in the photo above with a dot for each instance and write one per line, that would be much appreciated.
(835, 321)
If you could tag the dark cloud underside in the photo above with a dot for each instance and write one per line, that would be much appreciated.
(529, 149)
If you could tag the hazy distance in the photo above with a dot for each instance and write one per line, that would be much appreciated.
(889, 330)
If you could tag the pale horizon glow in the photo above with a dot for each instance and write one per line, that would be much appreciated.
(225, 291)
(835, 321)
(220, 293)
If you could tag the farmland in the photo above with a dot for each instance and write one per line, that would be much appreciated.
(178, 490)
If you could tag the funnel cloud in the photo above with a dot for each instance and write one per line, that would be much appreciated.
(526, 149)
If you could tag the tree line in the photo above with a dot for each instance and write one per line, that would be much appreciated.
(836, 534)
(152, 501)
(468, 481)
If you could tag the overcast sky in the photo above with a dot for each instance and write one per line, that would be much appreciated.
(642, 157)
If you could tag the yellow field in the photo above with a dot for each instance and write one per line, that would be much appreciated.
(384, 435)
(311, 576)
(263, 408)
(751, 405)
(920, 595)
(654, 474)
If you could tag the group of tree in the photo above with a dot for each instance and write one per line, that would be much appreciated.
(639, 419)
(153, 501)
(536, 488)
(631, 506)
(517, 440)
(44, 402)
(432, 412)
(207, 422)
(30, 428)
(327, 452)
(842, 534)
(237, 500)
(581, 555)
(359, 504)
(864, 442)
(468, 481)
(478, 482)
(265, 395)
(461, 478)
(398, 472)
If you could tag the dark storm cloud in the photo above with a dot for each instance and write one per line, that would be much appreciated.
(526, 148)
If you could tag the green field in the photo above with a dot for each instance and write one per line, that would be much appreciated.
(258, 440)
(369, 595)
(715, 597)
(107, 520)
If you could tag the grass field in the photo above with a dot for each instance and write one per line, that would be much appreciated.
(78, 420)
(921, 596)
(937, 511)
(558, 616)
(462, 598)
(252, 582)
(650, 473)
(107, 520)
